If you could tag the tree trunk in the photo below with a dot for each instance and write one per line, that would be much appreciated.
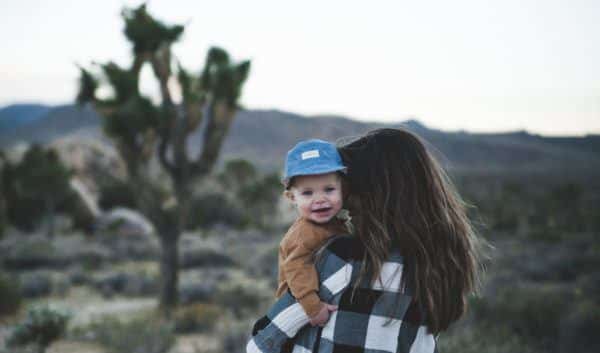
(169, 270)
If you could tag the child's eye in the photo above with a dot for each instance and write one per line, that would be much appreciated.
(306, 193)
(329, 189)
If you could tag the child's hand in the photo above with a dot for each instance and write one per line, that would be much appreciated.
(323, 315)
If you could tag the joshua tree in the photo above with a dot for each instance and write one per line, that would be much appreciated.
(142, 129)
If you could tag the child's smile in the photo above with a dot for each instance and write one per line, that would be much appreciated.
(317, 197)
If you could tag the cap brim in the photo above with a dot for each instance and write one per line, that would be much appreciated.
(316, 170)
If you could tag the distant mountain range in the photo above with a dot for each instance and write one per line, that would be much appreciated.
(263, 136)
(16, 115)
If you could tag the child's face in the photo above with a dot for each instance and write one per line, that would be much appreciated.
(317, 197)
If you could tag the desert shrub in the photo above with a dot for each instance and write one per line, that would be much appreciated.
(579, 330)
(260, 199)
(36, 284)
(116, 194)
(36, 187)
(545, 234)
(257, 193)
(210, 209)
(32, 253)
(237, 173)
(196, 318)
(235, 336)
(262, 264)
(141, 334)
(10, 294)
(25, 349)
(42, 326)
(478, 339)
(130, 284)
(588, 287)
(204, 257)
(241, 295)
(533, 313)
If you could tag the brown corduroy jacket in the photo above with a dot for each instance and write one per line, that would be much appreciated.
(296, 269)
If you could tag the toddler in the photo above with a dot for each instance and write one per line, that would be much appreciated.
(313, 184)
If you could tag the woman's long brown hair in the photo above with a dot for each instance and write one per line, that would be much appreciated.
(400, 197)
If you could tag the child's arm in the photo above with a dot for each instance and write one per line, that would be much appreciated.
(302, 278)
(300, 273)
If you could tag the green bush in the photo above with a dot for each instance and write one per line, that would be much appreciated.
(32, 253)
(579, 330)
(42, 326)
(210, 209)
(242, 296)
(260, 197)
(10, 294)
(196, 318)
(115, 194)
(533, 313)
(478, 339)
(36, 188)
(235, 336)
(237, 173)
(142, 334)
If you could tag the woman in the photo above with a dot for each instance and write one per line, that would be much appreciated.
(405, 274)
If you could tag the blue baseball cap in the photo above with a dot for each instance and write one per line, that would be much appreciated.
(311, 157)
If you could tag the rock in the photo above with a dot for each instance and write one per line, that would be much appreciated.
(93, 161)
(86, 203)
(128, 234)
(124, 222)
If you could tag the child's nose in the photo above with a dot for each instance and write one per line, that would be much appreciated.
(320, 198)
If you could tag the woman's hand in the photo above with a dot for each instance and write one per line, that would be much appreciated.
(323, 315)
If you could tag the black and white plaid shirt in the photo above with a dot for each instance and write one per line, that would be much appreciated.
(377, 318)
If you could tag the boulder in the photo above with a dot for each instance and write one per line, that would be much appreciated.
(128, 234)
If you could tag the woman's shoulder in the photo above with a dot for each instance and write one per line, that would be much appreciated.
(346, 247)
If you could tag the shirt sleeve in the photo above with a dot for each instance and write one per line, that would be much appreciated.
(301, 275)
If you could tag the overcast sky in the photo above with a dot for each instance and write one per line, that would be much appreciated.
(454, 65)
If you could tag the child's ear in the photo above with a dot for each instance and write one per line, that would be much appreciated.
(289, 195)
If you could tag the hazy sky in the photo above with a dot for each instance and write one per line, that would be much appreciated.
(473, 65)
